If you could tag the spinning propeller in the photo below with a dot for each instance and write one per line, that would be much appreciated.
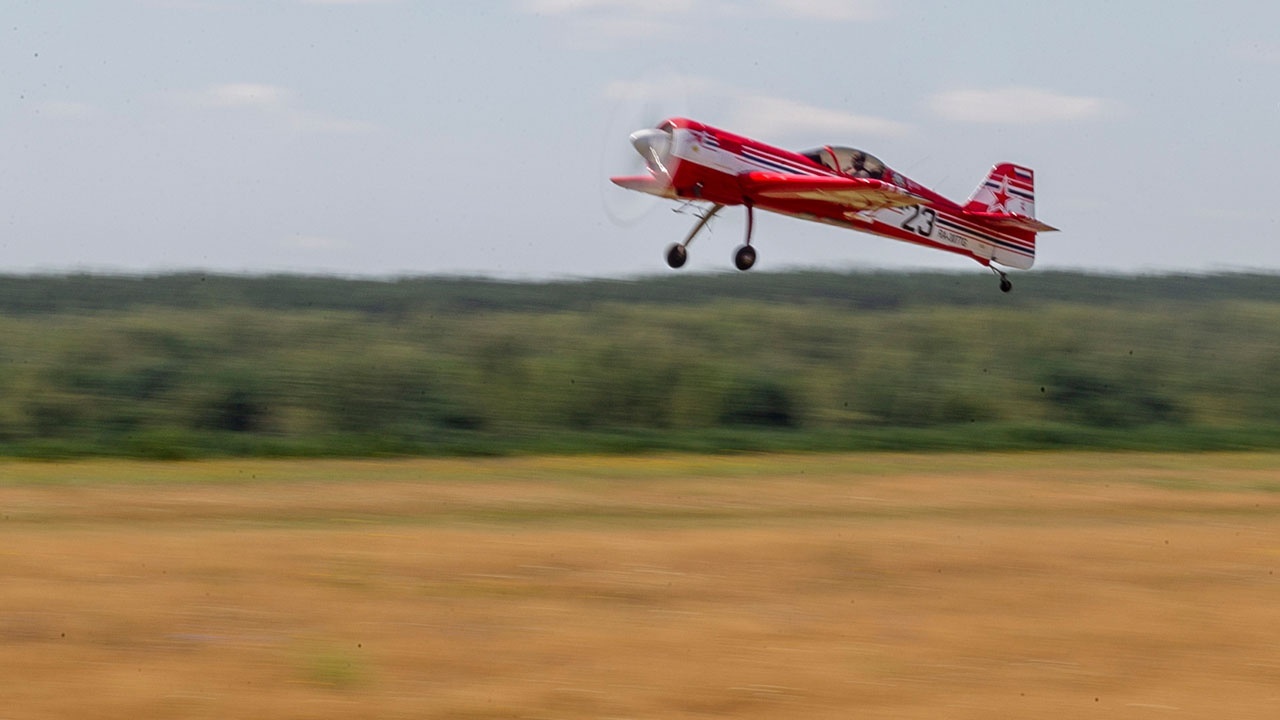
(639, 107)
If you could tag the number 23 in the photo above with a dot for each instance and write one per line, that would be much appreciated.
(920, 220)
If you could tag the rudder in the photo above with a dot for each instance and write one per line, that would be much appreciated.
(1007, 190)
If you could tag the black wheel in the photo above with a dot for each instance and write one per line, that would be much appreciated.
(677, 255)
(745, 257)
(1005, 284)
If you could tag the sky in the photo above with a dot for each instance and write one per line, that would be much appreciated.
(401, 137)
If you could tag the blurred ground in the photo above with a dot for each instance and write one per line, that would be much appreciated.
(872, 586)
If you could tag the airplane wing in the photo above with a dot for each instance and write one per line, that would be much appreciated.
(856, 194)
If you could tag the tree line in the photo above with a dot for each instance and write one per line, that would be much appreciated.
(194, 365)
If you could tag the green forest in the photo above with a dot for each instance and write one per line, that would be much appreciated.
(193, 365)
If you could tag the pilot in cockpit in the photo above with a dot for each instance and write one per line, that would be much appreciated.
(871, 167)
(847, 161)
(853, 163)
(862, 165)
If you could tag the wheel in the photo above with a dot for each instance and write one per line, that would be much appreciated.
(745, 257)
(677, 255)
(1005, 284)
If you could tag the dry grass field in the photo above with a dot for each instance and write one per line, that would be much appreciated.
(853, 586)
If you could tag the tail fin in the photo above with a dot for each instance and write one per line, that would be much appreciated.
(1008, 190)
(1007, 197)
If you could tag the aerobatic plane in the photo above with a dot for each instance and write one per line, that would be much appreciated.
(692, 162)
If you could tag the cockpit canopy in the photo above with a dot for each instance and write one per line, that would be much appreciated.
(847, 161)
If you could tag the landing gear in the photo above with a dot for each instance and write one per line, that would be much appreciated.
(677, 255)
(1005, 284)
(745, 257)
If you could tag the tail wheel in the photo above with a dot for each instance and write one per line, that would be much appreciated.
(1005, 284)
(745, 257)
(677, 255)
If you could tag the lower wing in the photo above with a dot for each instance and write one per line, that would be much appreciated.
(856, 194)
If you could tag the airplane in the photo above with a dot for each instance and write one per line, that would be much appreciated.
(692, 162)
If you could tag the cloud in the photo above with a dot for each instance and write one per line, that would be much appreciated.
(833, 10)
(1016, 106)
(601, 21)
(764, 116)
(241, 95)
(182, 4)
(749, 112)
(565, 7)
(649, 18)
(658, 87)
(271, 101)
(839, 10)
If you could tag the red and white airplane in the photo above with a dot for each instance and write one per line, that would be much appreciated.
(689, 161)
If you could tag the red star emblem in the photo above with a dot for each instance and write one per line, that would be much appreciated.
(1000, 203)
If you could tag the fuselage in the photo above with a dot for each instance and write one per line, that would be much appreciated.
(706, 163)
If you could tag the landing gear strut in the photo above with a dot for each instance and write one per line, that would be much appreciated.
(745, 257)
(1005, 284)
(678, 253)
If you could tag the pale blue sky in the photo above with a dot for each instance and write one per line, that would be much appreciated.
(399, 137)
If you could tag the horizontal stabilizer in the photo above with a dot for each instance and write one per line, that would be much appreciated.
(1009, 222)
